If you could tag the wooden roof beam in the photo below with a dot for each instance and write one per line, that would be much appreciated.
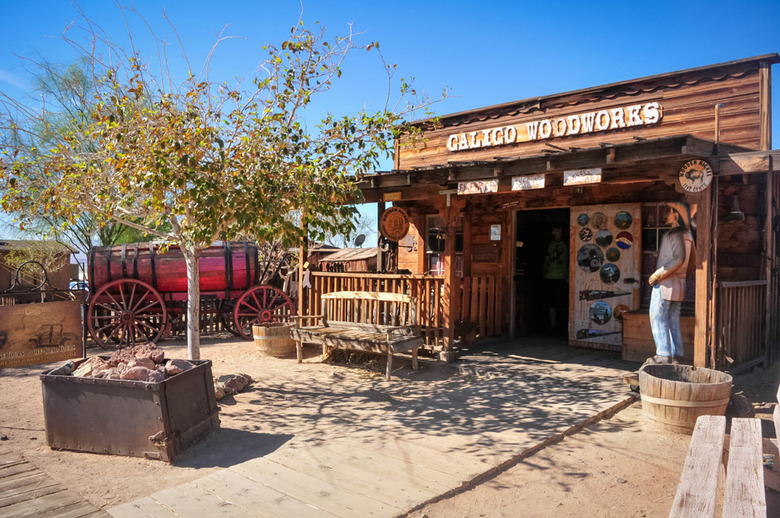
(746, 163)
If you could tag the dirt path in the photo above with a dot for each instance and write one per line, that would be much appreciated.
(613, 468)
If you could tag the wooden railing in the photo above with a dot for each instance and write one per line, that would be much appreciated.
(479, 303)
(426, 289)
(740, 328)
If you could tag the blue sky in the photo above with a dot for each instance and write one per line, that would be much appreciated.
(485, 52)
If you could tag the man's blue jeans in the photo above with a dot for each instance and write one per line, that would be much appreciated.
(665, 323)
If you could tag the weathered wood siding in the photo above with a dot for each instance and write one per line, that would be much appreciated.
(687, 103)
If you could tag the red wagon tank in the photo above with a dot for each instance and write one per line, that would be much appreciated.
(134, 290)
(230, 266)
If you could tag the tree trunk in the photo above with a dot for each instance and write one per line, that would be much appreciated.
(192, 258)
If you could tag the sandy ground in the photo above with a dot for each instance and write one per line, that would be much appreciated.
(616, 467)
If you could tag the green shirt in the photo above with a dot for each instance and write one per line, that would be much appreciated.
(556, 264)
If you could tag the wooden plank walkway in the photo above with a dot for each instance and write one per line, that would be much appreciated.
(511, 402)
(26, 491)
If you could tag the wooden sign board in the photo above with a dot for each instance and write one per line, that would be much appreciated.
(526, 183)
(486, 254)
(40, 333)
(478, 187)
(581, 176)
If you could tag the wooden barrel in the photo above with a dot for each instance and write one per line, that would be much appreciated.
(673, 396)
(230, 265)
(273, 339)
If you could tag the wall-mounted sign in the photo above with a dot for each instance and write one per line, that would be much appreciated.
(40, 333)
(478, 187)
(394, 224)
(391, 196)
(526, 183)
(486, 254)
(695, 175)
(577, 124)
(495, 232)
(582, 176)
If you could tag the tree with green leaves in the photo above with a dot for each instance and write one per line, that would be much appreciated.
(207, 159)
(67, 93)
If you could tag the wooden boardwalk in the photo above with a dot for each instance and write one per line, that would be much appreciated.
(26, 491)
(505, 404)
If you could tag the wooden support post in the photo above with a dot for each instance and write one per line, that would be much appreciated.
(705, 275)
(380, 209)
(451, 295)
(765, 105)
(769, 252)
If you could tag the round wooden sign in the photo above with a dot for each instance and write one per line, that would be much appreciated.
(394, 224)
(695, 175)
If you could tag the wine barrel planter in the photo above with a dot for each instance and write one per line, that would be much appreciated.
(673, 396)
(273, 339)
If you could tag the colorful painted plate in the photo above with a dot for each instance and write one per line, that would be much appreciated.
(623, 220)
(600, 312)
(590, 258)
(609, 273)
(604, 238)
(624, 240)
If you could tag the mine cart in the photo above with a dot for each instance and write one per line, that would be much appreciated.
(135, 290)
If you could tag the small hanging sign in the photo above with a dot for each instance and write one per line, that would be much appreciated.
(695, 175)
(526, 183)
(582, 176)
(478, 187)
(394, 224)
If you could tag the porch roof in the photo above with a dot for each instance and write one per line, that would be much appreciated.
(640, 161)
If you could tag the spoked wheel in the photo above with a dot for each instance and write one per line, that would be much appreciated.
(261, 305)
(126, 312)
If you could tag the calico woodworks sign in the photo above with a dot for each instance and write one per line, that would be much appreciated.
(40, 333)
(570, 125)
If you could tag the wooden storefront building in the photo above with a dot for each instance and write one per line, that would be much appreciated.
(482, 189)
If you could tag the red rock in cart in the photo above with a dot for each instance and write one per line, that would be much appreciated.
(174, 367)
(142, 362)
(93, 367)
(128, 354)
(143, 374)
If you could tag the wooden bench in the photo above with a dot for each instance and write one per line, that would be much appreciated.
(374, 322)
(697, 492)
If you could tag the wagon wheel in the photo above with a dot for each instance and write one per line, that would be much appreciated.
(260, 305)
(126, 312)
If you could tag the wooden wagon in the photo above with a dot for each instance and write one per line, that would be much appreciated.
(135, 290)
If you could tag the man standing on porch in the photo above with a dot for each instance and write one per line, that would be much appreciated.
(668, 282)
(556, 274)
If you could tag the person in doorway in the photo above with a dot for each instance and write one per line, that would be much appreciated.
(668, 282)
(556, 275)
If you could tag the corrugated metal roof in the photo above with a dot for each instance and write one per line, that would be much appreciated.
(350, 254)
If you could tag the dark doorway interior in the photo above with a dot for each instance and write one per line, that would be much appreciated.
(542, 304)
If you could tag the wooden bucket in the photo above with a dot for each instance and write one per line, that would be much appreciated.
(273, 339)
(673, 396)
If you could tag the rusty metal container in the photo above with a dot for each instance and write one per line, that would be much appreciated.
(132, 418)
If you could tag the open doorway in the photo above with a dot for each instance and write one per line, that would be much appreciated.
(541, 272)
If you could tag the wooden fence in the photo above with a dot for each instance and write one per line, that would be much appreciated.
(740, 337)
(479, 303)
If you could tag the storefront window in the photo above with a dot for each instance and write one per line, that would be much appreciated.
(435, 245)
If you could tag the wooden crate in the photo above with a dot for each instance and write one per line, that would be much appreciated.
(638, 344)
